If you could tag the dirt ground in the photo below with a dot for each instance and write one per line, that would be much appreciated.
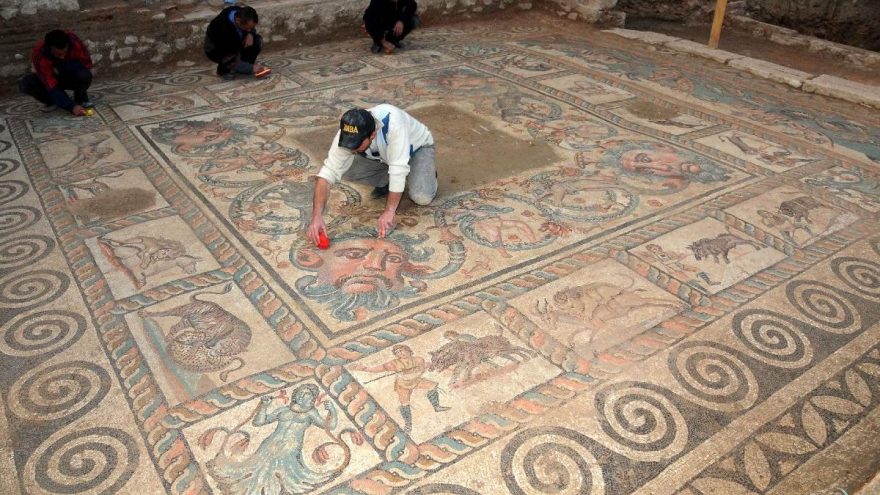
(758, 47)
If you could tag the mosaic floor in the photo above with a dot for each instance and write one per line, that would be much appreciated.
(643, 274)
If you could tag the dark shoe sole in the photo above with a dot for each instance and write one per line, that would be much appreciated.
(379, 192)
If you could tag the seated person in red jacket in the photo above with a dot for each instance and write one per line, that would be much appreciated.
(389, 21)
(60, 62)
(233, 43)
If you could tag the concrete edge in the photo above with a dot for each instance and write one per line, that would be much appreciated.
(823, 84)
(845, 89)
(772, 71)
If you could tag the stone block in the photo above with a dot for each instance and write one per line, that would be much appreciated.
(130, 40)
(125, 52)
(701, 50)
(775, 72)
(644, 36)
(844, 89)
(788, 39)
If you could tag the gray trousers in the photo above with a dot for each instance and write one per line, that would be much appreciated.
(421, 183)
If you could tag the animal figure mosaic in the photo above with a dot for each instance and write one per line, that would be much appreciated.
(465, 353)
(799, 208)
(594, 304)
(103, 202)
(767, 152)
(206, 337)
(143, 256)
(786, 225)
(720, 245)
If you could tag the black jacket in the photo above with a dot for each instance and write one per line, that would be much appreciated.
(222, 36)
(391, 11)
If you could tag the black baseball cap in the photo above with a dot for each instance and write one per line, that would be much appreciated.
(356, 125)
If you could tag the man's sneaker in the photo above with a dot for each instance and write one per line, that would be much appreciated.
(87, 104)
(49, 107)
(379, 192)
(376, 48)
(228, 76)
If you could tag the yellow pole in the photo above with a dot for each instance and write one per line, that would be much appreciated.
(720, 7)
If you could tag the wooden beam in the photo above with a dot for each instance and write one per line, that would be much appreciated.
(720, 7)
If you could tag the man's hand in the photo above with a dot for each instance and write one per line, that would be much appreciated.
(78, 111)
(315, 228)
(398, 28)
(386, 223)
(248, 40)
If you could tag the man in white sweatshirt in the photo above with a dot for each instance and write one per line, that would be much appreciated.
(386, 148)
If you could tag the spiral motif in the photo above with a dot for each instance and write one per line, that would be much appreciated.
(714, 377)
(10, 190)
(526, 29)
(133, 88)
(16, 218)
(183, 79)
(8, 165)
(825, 305)
(773, 338)
(96, 460)
(442, 489)
(861, 275)
(643, 420)
(58, 391)
(31, 289)
(21, 251)
(875, 245)
(551, 460)
(19, 107)
(41, 333)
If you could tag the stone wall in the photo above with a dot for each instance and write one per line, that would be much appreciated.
(10, 9)
(593, 11)
(152, 33)
(853, 22)
(670, 10)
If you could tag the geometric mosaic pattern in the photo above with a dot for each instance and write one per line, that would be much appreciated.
(685, 300)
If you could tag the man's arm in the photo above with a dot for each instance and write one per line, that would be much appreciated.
(386, 220)
(319, 202)
(379, 368)
(337, 163)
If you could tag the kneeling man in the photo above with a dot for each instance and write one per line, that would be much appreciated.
(383, 147)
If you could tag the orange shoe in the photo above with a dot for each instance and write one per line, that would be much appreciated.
(265, 71)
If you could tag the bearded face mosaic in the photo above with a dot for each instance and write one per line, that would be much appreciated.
(678, 293)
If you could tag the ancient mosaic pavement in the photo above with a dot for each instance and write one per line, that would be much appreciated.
(642, 275)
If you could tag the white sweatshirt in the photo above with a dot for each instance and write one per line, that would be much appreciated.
(398, 136)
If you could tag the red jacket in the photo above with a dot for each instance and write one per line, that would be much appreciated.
(44, 63)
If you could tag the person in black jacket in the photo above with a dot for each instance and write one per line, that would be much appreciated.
(389, 21)
(233, 43)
